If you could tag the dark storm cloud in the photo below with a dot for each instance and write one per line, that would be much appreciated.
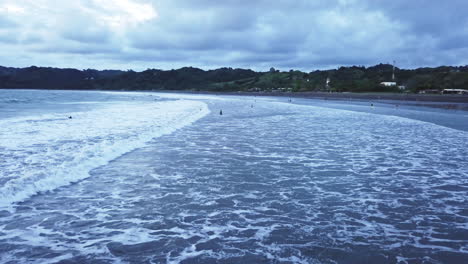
(455, 41)
(280, 32)
(444, 21)
(249, 32)
(423, 16)
(299, 34)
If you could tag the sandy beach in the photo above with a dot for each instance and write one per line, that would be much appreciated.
(456, 102)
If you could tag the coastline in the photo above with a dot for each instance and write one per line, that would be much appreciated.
(342, 96)
(454, 102)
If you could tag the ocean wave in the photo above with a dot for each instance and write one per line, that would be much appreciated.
(9, 100)
(42, 153)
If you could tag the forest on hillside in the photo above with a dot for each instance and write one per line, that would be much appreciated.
(343, 79)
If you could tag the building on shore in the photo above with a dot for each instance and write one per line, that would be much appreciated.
(388, 84)
(393, 82)
(454, 91)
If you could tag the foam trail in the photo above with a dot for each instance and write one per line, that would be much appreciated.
(42, 153)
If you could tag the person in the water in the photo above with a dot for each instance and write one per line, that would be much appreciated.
(220, 112)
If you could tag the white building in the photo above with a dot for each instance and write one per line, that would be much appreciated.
(327, 83)
(388, 84)
(455, 91)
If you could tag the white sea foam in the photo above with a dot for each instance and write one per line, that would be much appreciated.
(42, 153)
(192, 96)
(286, 183)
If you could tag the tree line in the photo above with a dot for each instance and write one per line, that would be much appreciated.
(343, 79)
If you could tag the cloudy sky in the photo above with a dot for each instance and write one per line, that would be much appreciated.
(257, 34)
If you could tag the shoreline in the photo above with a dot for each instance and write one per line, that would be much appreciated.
(450, 102)
(341, 96)
(454, 102)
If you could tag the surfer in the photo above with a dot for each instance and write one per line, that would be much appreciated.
(70, 117)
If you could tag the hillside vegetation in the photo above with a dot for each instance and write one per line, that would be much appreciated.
(344, 79)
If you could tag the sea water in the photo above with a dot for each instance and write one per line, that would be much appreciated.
(164, 178)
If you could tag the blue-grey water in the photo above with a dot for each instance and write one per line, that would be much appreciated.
(164, 178)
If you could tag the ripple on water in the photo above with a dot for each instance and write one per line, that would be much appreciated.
(314, 186)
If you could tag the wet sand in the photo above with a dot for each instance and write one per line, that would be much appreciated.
(456, 102)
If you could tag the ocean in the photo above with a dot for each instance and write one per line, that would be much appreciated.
(142, 177)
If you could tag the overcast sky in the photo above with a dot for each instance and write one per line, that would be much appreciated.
(256, 34)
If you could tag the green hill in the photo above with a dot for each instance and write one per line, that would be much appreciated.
(343, 79)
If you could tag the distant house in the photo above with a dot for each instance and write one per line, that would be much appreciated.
(455, 91)
(388, 84)
(327, 84)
